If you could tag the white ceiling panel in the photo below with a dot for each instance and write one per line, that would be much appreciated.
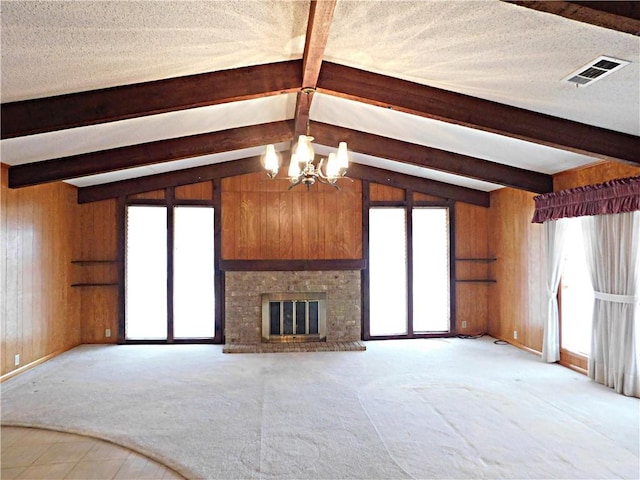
(112, 176)
(444, 136)
(171, 166)
(411, 170)
(63, 143)
(424, 173)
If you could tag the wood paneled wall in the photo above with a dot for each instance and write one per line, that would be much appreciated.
(517, 301)
(195, 191)
(40, 311)
(385, 193)
(98, 241)
(262, 220)
(472, 298)
(153, 195)
(598, 173)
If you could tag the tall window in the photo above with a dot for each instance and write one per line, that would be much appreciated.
(161, 239)
(576, 297)
(146, 273)
(409, 288)
(193, 273)
(387, 272)
(430, 238)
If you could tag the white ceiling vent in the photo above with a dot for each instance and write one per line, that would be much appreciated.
(595, 70)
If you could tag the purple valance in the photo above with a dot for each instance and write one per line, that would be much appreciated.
(616, 196)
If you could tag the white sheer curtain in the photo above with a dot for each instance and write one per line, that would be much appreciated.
(612, 248)
(554, 232)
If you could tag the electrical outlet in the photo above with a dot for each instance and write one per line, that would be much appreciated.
(107, 332)
(17, 359)
(464, 324)
(515, 334)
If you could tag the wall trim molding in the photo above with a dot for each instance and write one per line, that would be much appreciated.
(517, 345)
(35, 363)
(291, 265)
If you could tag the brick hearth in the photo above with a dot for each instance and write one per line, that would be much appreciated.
(295, 347)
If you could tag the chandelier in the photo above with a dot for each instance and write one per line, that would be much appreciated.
(303, 170)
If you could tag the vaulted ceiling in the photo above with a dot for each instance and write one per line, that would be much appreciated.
(456, 97)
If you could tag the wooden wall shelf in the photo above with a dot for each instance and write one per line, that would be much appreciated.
(476, 260)
(92, 262)
(479, 260)
(98, 283)
(479, 280)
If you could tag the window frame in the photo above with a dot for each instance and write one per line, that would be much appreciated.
(569, 358)
(170, 202)
(409, 203)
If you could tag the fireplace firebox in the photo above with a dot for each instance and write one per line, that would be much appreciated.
(294, 317)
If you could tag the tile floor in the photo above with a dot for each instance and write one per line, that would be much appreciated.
(32, 453)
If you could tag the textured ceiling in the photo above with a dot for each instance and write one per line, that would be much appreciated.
(492, 50)
(55, 47)
(486, 48)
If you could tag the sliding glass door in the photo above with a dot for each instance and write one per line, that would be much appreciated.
(160, 240)
(193, 273)
(409, 271)
(430, 272)
(146, 273)
(387, 272)
(576, 297)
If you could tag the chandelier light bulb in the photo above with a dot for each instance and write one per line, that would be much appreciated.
(304, 150)
(271, 158)
(294, 167)
(271, 161)
(333, 168)
(343, 157)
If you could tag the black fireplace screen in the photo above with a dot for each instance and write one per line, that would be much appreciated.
(294, 317)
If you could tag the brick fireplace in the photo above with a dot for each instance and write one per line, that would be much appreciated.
(244, 292)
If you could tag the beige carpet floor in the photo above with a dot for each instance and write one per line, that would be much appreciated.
(448, 408)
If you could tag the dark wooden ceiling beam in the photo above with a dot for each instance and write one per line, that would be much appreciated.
(433, 158)
(176, 178)
(620, 16)
(318, 26)
(303, 107)
(451, 107)
(417, 184)
(129, 101)
(149, 153)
